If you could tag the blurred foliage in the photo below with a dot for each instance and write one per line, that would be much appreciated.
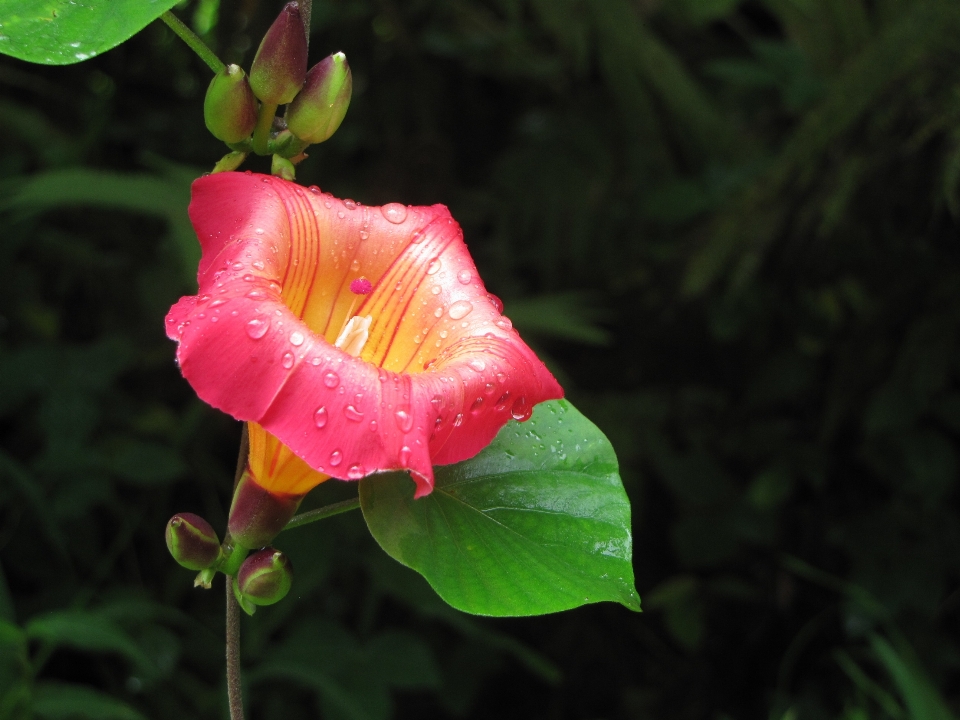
(731, 227)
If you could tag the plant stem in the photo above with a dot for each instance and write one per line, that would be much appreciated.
(261, 133)
(322, 512)
(234, 682)
(306, 10)
(191, 39)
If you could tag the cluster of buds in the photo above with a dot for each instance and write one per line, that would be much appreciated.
(261, 578)
(242, 111)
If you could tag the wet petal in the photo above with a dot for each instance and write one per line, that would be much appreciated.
(438, 375)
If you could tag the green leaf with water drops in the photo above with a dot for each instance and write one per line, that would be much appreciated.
(538, 522)
(63, 32)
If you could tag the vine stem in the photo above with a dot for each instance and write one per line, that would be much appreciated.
(234, 681)
(322, 512)
(193, 40)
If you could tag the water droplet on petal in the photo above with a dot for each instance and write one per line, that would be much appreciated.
(394, 212)
(316, 361)
(257, 328)
(464, 276)
(436, 289)
(331, 380)
(349, 204)
(296, 339)
(458, 420)
(460, 309)
(320, 417)
(521, 410)
(497, 303)
(355, 265)
(248, 278)
(405, 456)
(352, 414)
(504, 323)
(404, 420)
(477, 404)
(433, 266)
(258, 264)
(356, 472)
(502, 402)
(364, 234)
(287, 360)
(336, 457)
(477, 364)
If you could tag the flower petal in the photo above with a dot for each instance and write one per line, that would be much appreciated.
(441, 370)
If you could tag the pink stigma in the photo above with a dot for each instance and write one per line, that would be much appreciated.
(361, 286)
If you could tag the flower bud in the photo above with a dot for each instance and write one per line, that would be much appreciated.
(229, 108)
(264, 578)
(192, 541)
(280, 64)
(258, 515)
(316, 113)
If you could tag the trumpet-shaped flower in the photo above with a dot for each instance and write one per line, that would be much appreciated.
(353, 339)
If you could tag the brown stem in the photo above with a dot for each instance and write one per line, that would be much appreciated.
(234, 683)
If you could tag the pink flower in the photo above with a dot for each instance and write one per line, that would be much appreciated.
(353, 339)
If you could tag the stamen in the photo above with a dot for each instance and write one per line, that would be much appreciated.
(354, 335)
(361, 286)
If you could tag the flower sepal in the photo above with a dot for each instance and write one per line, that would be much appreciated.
(257, 515)
(280, 65)
(229, 107)
(264, 579)
(319, 108)
(192, 542)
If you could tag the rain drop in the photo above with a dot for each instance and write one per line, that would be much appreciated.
(352, 414)
(464, 276)
(355, 265)
(296, 339)
(502, 402)
(331, 380)
(394, 212)
(320, 417)
(477, 364)
(458, 420)
(497, 302)
(504, 323)
(257, 328)
(404, 420)
(316, 361)
(433, 266)
(477, 404)
(436, 289)
(521, 410)
(349, 204)
(356, 472)
(438, 312)
(336, 457)
(287, 360)
(460, 309)
(405, 456)
(364, 234)
(258, 264)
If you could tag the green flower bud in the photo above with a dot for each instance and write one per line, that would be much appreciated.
(264, 578)
(192, 541)
(280, 64)
(316, 113)
(229, 108)
(258, 515)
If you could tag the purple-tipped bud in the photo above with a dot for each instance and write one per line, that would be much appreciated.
(318, 110)
(229, 108)
(264, 578)
(192, 541)
(257, 515)
(280, 64)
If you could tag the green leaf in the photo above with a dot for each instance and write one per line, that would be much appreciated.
(63, 32)
(63, 701)
(91, 632)
(536, 523)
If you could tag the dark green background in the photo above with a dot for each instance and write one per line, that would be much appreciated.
(729, 227)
